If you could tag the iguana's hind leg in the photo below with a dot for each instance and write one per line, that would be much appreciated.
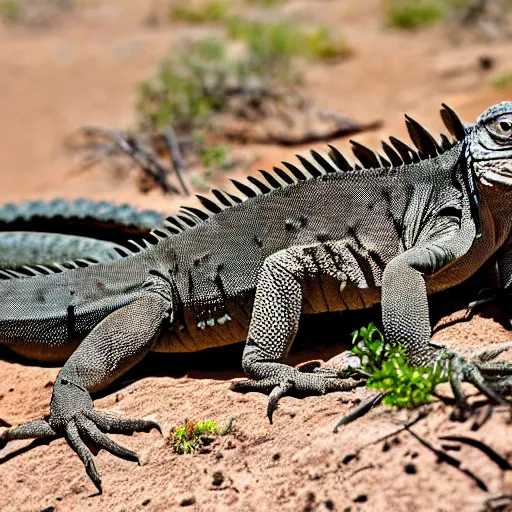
(116, 344)
(274, 322)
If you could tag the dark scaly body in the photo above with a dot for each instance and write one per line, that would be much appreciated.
(214, 265)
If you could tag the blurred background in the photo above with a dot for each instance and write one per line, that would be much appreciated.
(107, 99)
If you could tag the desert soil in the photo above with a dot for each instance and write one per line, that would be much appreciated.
(82, 69)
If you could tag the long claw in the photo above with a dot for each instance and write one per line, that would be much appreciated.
(477, 379)
(73, 438)
(86, 426)
(461, 410)
(276, 394)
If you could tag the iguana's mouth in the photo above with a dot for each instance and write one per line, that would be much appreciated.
(499, 172)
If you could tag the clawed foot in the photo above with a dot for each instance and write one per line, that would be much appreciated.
(492, 378)
(74, 417)
(285, 379)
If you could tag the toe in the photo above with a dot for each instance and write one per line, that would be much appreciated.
(80, 448)
(89, 429)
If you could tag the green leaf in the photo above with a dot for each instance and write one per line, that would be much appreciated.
(406, 386)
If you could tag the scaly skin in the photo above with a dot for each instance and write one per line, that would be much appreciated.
(45, 232)
(321, 237)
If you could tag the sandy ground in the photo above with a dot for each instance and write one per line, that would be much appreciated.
(82, 70)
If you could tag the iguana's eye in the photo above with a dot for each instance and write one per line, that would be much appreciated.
(505, 126)
(502, 126)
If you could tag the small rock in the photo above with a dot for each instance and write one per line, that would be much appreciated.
(219, 456)
(349, 458)
(329, 504)
(189, 500)
(486, 62)
(146, 502)
(276, 456)
(410, 468)
(218, 478)
(362, 498)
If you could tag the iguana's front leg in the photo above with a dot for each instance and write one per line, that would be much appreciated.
(274, 323)
(405, 317)
(116, 344)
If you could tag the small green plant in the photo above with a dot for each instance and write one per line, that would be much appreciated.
(413, 13)
(503, 80)
(193, 436)
(11, 11)
(387, 370)
(208, 12)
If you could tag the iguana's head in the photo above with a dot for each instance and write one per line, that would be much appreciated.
(489, 146)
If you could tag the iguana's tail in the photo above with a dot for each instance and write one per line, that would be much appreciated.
(81, 217)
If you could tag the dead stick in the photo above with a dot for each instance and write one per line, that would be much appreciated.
(445, 457)
(176, 158)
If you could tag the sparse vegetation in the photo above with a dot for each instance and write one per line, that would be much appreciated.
(413, 13)
(277, 43)
(410, 14)
(193, 436)
(247, 75)
(503, 80)
(35, 13)
(10, 11)
(188, 88)
(387, 370)
(211, 11)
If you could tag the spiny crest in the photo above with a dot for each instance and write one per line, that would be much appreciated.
(395, 155)
(45, 270)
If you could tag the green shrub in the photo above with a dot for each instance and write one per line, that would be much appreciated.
(271, 47)
(11, 11)
(323, 44)
(387, 370)
(187, 88)
(199, 80)
(211, 11)
(413, 13)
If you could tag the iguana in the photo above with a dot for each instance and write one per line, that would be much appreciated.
(320, 236)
